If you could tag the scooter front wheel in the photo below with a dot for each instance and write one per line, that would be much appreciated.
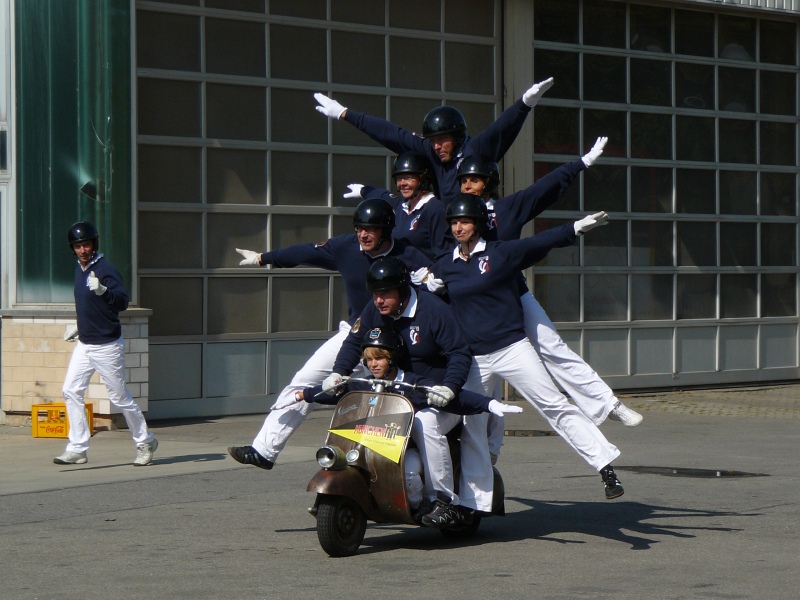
(341, 525)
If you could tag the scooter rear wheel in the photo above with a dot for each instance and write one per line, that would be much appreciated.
(341, 525)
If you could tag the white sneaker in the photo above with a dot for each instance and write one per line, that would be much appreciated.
(625, 415)
(71, 458)
(144, 453)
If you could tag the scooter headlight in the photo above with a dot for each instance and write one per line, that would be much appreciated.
(331, 457)
(352, 456)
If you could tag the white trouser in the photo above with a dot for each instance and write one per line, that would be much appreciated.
(496, 425)
(476, 484)
(109, 361)
(429, 432)
(281, 423)
(414, 486)
(520, 365)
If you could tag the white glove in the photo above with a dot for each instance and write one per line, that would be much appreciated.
(94, 284)
(537, 90)
(329, 107)
(331, 381)
(500, 409)
(71, 333)
(440, 396)
(250, 258)
(435, 286)
(590, 157)
(418, 276)
(590, 222)
(355, 190)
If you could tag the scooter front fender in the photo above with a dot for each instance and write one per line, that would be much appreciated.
(348, 482)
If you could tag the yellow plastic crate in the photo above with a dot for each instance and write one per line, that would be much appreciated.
(50, 420)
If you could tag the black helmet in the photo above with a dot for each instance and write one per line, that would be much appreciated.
(445, 120)
(387, 339)
(471, 207)
(414, 163)
(81, 232)
(375, 212)
(389, 273)
(478, 167)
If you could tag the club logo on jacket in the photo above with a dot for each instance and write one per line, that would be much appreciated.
(413, 225)
(413, 334)
(483, 264)
(356, 326)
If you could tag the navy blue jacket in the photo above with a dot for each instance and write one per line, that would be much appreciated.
(435, 346)
(491, 144)
(343, 253)
(98, 316)
(483, 290)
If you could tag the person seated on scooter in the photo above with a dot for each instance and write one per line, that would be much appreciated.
(382, 348)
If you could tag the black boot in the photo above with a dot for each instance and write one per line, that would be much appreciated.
(611, 483)
(247, 455)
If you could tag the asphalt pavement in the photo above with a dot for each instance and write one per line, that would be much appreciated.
(710, 510)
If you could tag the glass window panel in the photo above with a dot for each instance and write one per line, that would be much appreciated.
(237, 305)
(604, 78)
(559, 295)
(697, 244)
(696, 191)
(608, 246)
(478, 115)
(607, 123)
(778, 194)
(299, 229)
(555, 130)
(236, 112)
(605, 297)
(468, 68)
(777, 95)
(737, 296)
(651, 297)
(339, 311)
(348, 168)
(777, 143)
(778, 243)
(694, 33)
(308, 59)
(651, 243)
(776, 42)
(235, 47)
(469, 17)
(694, 86)
(778, 295)
(737, 244)
(168, 107)
(556, 21)
(561, 66)
(694, 139)
(571, 200)
(737, 192)
(697, 297)
(569, 256)
(651, 82)
(167, 41)
(226, 232)
(737, 141)
(415, 64)
(292, 301)
(170, 240)
(651, 136)
(346, 135)
(309, 9)
(425, 15)
(605, 187)
(409, 112)
(341, 225)
(289, 118)
(236, 369)
(650, 28)
(176, 302)
(167, 360)
(236, 176)
(169, 174)
(358, 58)
(366, 12)
(254, 6)
(736, 38)
(604, 23)
(651, 189)
(299, 178)
(737, 89)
